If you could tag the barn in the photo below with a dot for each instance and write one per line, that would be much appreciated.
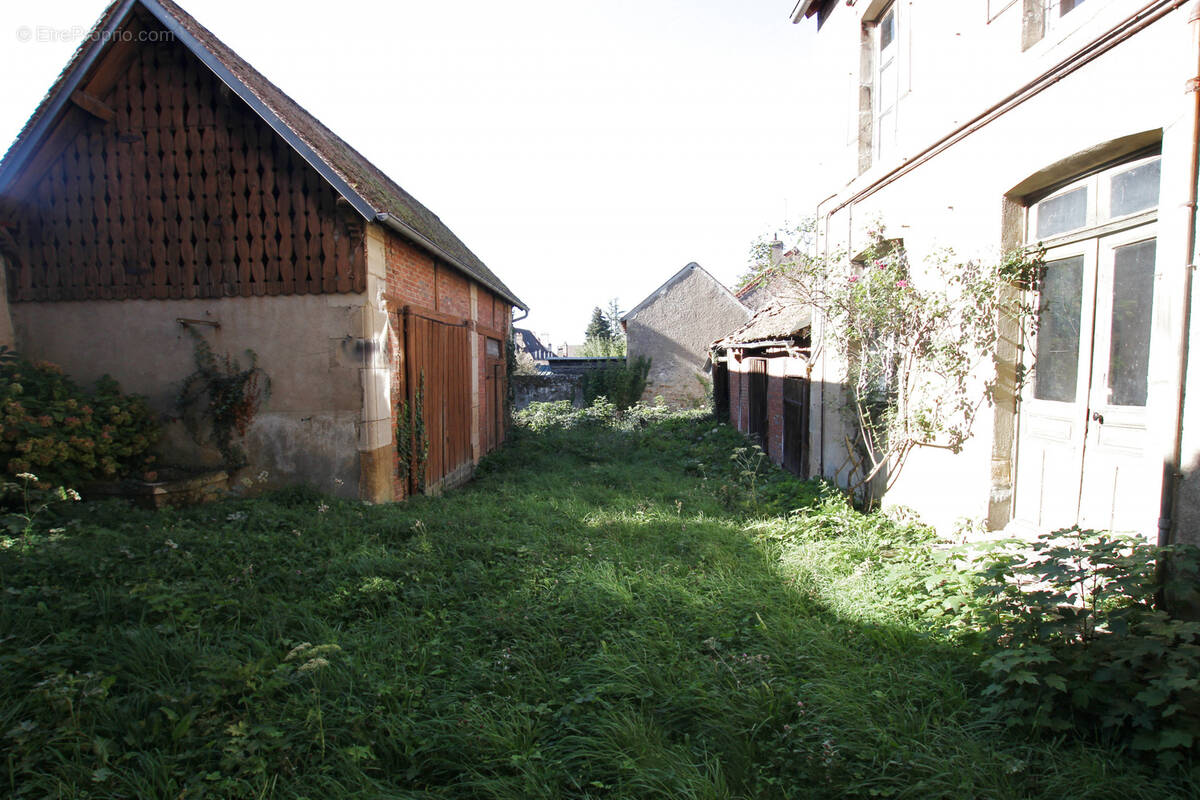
(165, 194)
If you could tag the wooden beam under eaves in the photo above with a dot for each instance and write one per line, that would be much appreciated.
(93, 105)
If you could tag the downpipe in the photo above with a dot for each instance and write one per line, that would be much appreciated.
(1168, 521)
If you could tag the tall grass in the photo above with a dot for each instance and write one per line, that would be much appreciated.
(607, 611)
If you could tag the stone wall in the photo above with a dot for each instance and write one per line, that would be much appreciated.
(674, 328)
(547, 388)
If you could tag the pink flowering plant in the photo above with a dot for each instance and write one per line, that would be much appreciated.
(65, 435)
(919, 349)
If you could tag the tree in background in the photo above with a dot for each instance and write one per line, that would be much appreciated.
(763, 261)
(613, 315)
(598, 329)
(604, 337)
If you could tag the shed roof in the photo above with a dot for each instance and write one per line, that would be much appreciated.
(772, 323)
(372, 193)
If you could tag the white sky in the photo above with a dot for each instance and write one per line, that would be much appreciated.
(584, 151)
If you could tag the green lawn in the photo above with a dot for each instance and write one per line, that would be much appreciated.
(607, 611)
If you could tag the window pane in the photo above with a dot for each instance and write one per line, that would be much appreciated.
(1057, 368)
(887, 29)
(1068, 5)
(1133, 297)
(887, 85)
(1063, 213)
(1135, 189)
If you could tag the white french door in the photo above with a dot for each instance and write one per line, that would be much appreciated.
(1083, 451)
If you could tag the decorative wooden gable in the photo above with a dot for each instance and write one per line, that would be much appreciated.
(162, 183)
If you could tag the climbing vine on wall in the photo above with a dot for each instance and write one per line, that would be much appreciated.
(918, 345)
(411, 438)
(224, 395)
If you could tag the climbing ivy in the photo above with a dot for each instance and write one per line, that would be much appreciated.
(226, 395)
(411, 438)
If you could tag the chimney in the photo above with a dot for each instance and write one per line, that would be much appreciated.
(776, 252)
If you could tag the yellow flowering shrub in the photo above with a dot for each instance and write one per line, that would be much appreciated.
(51, 426)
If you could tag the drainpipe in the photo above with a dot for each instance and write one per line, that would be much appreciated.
(1168, 521)
(817, 216)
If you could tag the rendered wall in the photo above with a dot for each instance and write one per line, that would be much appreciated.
(956, 195)
(675, 332)
(309, 346)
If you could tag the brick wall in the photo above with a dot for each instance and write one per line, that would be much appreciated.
(416, 278)
(411, 273)
(453, 292)
(739, 401)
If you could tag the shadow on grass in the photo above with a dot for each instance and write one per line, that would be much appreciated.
(594, 617)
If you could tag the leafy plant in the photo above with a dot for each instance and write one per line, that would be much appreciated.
(622, 384)
(913, 347)
(765, 264)
(26, 501)
(1080, 643)
(586, 619)
(748, 465)
(224, 394)
(412, 443)
(66, 434)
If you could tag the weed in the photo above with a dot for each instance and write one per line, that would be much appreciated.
(586, 619)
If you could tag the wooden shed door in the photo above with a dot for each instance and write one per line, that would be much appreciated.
(720, 375)
(495, 389)
(439, 366)
(795, 425)
(758, 401)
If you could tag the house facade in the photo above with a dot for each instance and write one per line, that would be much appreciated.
(165, 192)
(674, 327)
(992, 125)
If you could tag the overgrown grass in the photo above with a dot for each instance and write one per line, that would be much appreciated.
(608, 611)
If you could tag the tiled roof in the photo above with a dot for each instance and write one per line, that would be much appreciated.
(773, 323)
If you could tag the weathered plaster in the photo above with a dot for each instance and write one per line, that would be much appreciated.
(307, 426)
(675, 326)
(1128, 97)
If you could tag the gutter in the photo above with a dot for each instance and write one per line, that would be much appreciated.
(406, 230)
(801, 10)
(1168, 521)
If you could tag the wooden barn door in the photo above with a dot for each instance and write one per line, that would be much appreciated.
(795, 425)
(495, 394)
(758, 401)
(438, 380)
(720, 375)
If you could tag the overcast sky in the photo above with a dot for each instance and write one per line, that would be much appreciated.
(584, 151)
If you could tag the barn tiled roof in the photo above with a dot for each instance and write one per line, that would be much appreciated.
(370, 191)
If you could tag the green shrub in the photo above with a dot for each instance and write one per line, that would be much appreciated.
(622, 384)
(539, 417)
(64, 434)
(1080, 643)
